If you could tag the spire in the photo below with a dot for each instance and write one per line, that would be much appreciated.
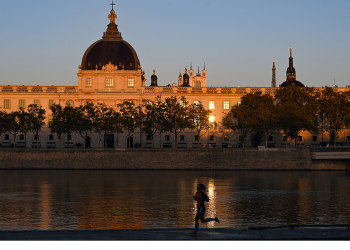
(191, 66)
(154, 71)
(112, 29)
(273, 82)
(204, 66)
(291, 74)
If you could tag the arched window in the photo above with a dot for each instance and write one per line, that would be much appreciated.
(70, 103)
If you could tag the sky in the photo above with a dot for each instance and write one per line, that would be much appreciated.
(43, 41)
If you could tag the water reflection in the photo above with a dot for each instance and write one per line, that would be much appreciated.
(163, 199)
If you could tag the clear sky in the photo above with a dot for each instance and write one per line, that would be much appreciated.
(43, 41)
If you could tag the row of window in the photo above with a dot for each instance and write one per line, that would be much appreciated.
(212, 104)
(110, 82)
(22, 103)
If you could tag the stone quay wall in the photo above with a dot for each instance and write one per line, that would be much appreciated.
(168, 159)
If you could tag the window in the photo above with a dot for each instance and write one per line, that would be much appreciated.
(7, 104)
(131, 82)
(7, 137)
(21, 137)
(226, 105)
(182, 104)
(51, 103)
(211, 138)
(226, 138)
(270, 138)
(196, 104)
(70, 103)
(211, 105)
(348, 138)
(109, 82)
(300, 138)
(212, 120)
(284, 138)
(22, 104)
(36, 138)
(69, 137)
(50, 120)
(197, 121)
(51, 137)
(167, 138)
(182, 137)
(37, 103)
(196, 138)
(88, 82)
(314, 138)
(149, 137)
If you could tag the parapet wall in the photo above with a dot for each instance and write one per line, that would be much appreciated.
(167, 159)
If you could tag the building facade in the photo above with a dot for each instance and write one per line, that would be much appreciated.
(111, 73)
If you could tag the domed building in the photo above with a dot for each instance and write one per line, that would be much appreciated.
(110, 63)
(291, 74)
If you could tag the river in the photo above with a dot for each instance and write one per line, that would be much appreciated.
(100, 199)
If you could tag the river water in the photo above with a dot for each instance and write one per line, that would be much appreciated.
(99, 199)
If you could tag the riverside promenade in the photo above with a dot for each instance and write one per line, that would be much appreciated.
(177, 235)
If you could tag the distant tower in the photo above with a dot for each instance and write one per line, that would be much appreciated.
(180, 80)
(273, 82)
(291, 74)
(191, 76)
(204, 77)
(154, 79)
(186, 79)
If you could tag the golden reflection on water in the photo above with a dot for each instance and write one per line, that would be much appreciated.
(163, 199)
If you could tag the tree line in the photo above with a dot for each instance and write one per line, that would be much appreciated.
(290, 110)
(152, 117)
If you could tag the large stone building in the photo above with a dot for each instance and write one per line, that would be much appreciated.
(110, 73)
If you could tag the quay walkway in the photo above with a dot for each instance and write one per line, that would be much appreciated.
(178, 234)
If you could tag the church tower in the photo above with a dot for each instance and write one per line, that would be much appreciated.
(273, 82)
(291, 74)
(186, 79)
(154, 79)
(179, 82)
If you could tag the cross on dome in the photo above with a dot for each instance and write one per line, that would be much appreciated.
(290, 50)
(112, 4)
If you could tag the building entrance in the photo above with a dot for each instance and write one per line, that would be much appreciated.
(88, 142)
(130, 142)
(109, 141)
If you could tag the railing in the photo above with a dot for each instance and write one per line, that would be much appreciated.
(182, 89)
(7, 89)
(22, 89)
(37, 89)
(70, 89)
(51, 89)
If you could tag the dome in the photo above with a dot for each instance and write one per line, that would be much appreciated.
(118, 52)
(291, 82)
(111, 49)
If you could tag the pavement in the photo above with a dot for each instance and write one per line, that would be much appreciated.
(177, 235)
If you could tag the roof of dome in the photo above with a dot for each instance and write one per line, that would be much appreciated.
(292, 82)
(118, 52)
(111, 49)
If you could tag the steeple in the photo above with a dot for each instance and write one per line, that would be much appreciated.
(273, 82)
(112, 31)
(291, 74)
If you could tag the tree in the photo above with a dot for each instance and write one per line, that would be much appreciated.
(236, 119)
(199, 118)
(297, 110)
(153, 119)
(107, 121)
(37, 117)
(83, 120)
(176, 116)
(12, 124)
(62, 121)
(335, 108)
(131, 117)
(57, 124)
